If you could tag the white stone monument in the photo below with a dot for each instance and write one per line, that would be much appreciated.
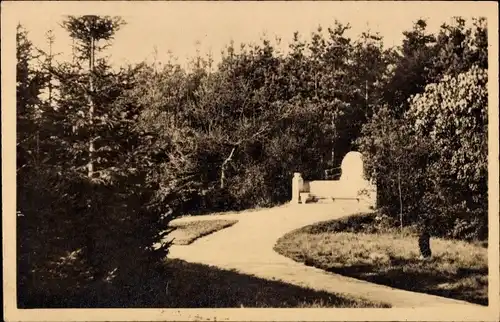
(351, 184)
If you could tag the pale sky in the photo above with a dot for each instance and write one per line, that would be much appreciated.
(178, 26)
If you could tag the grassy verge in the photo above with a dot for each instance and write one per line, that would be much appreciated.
(353, 247)
(233, 212)
(186, 233)
(178, 284)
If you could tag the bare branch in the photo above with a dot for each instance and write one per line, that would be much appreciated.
(229, 157)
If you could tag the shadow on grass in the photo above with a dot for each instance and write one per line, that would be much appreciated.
(399, 276)
(439, 276)
(179, 284)
(432, 277)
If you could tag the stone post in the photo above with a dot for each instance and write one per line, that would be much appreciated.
(297, 183)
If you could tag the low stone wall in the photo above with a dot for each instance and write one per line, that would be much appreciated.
(325, 188)
(337, 189)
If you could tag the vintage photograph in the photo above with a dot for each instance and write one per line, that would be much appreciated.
(251, 155)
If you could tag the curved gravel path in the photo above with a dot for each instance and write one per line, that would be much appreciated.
(247, 247)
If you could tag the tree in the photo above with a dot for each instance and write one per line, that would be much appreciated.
(233, 112)
(459, 47)
(118, 202)
(397, 161)
(29, 85)
(369, 74)
(330, 64)
(425, 58)
(88, 31)
(413, 67)
(427, 150)
(315, 75)
(160, 92)
(452, 116)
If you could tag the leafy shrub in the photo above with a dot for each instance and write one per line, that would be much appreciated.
(431, 165)
(452, 115)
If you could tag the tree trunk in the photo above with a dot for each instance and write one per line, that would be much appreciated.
(91, 109)
(333, 140)
(223, 169)
(51, 42)
(90, 238)
(400, 201)
(424, 244)
(222, 176)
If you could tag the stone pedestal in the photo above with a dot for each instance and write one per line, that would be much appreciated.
(297, 185)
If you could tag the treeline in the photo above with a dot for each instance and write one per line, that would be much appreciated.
(106, 158)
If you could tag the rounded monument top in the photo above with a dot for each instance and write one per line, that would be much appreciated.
(352, 166)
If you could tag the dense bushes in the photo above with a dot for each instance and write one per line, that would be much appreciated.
(430, 162)
(452, 116)
(431, 165)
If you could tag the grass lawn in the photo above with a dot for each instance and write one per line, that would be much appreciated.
(178, 284)
(188, 232)
(352, 247)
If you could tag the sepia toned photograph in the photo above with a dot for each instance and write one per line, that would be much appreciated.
(232, 156)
